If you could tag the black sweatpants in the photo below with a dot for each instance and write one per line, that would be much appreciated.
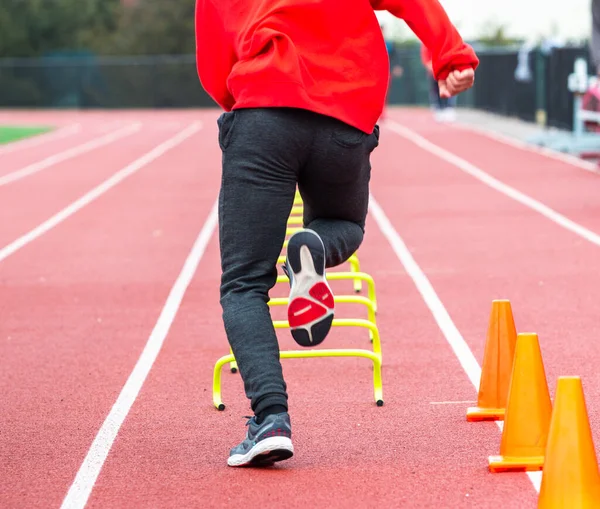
(267, 152)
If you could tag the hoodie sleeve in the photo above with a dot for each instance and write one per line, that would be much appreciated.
(430, 23)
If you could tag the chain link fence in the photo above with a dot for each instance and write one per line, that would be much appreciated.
(101, 82)
(172, 82)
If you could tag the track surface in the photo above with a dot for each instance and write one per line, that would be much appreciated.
(81, 299)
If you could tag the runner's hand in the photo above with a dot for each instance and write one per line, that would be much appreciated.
(456, 82)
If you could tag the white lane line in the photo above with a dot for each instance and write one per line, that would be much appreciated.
(88, 473)
(99, 190)
(68, 154)
(494, 183)
(40, 139)
(528, 147)
(453, 336)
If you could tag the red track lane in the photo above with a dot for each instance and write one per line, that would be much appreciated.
(77, 307)
(31, 200)
(172, 449)
(94, 125)
(66, 369)
(476, 245)
(569, 190)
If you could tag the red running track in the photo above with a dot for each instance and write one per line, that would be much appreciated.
(81, 301)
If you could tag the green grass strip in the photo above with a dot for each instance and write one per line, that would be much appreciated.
(9, 133)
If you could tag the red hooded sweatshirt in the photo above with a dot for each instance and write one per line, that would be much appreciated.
(327, 56)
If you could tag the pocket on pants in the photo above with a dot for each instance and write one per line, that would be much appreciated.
(226, 123)
(345, 160)
(347, 136)
(375, 138)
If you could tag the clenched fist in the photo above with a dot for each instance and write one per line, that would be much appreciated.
(456, 82)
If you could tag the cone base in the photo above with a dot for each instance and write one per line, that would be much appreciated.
(475, 414)
(516, 463)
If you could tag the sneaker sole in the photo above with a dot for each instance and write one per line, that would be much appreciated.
(311, 304)
(264, 453)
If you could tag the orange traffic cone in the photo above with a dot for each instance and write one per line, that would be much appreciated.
(570, 479)
(497, 364)
(528, 411)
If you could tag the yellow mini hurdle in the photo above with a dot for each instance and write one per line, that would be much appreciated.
(338, 299)
(375, 356)
(369, 302)
(351, 276)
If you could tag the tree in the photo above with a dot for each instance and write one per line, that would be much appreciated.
(35, 27)
(154, 27)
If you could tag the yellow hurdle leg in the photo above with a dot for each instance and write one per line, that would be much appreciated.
(355, 267)
(233, 367)
(377, 382)
(217, 381)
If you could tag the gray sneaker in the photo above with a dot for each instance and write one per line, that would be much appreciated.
(265, 443)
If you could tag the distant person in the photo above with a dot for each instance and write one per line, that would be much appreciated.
(442, 105)
(396, 69)
(595, 39)
(591, 98)
(303, 84)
